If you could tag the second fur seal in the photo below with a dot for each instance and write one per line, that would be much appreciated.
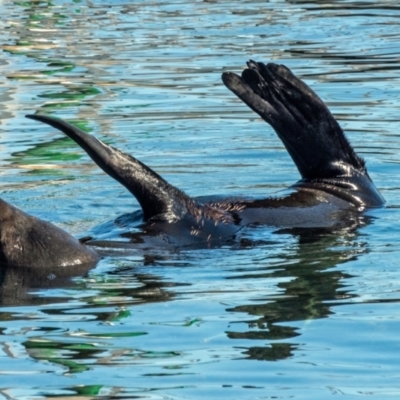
(334, 183)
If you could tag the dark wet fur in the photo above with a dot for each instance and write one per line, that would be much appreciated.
(27, 241)
(306, 127)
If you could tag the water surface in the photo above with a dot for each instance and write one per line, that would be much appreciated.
(285, 316)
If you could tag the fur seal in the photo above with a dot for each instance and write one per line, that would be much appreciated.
(27, 241)
(335, 185)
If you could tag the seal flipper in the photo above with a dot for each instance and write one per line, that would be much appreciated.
(312, 136)
(159, 200)
(156, 196)
(310, 133)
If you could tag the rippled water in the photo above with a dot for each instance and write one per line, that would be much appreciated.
(292, 317)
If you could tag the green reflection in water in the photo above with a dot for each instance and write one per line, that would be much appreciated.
(53, 151)
(49, 154)
(79, 357)
(88, 390)
(121, 315)
(74, 94)
(67, 69)
(65, 354)
(116, 334)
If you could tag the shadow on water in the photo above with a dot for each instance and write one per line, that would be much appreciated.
(309, 282)
(314, 282)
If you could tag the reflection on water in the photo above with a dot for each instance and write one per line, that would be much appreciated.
(145, 76)
(311, 286)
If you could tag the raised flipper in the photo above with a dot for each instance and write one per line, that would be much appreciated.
(310, 133)
(27, 241)
(305, 125)
(156, 196)
(159, 200)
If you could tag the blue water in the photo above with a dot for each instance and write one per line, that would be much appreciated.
(287, 317)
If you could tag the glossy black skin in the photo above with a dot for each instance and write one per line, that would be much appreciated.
(27, 241)
(313, 138)
(334, 188)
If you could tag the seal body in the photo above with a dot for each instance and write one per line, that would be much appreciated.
(334, 186)
(27, 241)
